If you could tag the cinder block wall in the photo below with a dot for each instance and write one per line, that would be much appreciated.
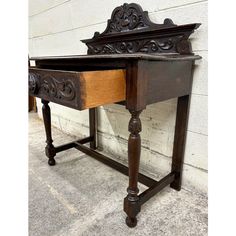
(56, 28)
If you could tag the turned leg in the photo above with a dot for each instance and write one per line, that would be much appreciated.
(179, 141)
(93, 127)
(49, 149)
(131, 202)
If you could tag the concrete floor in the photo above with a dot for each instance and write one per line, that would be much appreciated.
(81, 196)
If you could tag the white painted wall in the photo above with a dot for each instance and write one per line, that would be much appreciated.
(56, 28)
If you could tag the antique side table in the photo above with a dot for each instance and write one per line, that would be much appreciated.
(134, 62)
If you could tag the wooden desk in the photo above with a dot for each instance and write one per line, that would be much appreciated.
(134, 62)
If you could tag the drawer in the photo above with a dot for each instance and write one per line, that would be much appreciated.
(79, 90)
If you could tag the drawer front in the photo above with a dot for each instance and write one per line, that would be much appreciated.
(55, 86)
(79, 90)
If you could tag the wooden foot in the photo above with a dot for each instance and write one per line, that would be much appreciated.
(179, 141)
(131, 222)
(51, 161)
(131, 202)
(49, 149)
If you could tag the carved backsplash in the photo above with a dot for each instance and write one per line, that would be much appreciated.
(130, 17)
(131, 31)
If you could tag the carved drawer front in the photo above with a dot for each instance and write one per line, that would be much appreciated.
(79, 90)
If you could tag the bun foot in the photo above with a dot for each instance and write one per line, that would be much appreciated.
(51, 162)
(131, 222)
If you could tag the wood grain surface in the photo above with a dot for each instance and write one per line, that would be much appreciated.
(102, 87)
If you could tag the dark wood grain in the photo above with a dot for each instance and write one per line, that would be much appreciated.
(136, 85)
(168, 80)
(93, 127)
(131, 202)
(49, 149)
(179, 140)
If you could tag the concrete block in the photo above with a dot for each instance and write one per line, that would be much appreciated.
(71, 127)
(81, 117)
(162, 114)
(158, 165)
(165, 4)
(195, 179)
(55, 45)
(38, 6)
(198, 114)
(48, 22)
(196, 152)
(161, 141)
(117, 148)
(117, 123)
(200, 76)
(92, 15)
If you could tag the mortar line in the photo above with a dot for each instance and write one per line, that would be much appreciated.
(48, 9)
(197, 133)
(200, 94)
(183, 5)
(196, 167)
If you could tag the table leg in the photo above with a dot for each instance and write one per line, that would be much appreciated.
(179, 140)
(93, 127)
(49, 149)
(131, 202)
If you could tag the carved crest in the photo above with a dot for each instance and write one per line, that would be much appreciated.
(129, 17)
(131, 31)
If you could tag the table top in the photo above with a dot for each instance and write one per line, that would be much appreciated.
(125, 56)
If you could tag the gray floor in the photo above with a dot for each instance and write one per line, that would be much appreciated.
(81, 196)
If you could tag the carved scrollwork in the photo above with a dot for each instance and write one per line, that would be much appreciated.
(33, 82)
(63, 90)
(147, 46)
(130, 30)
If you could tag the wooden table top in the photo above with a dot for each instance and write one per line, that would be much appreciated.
(125, 56)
